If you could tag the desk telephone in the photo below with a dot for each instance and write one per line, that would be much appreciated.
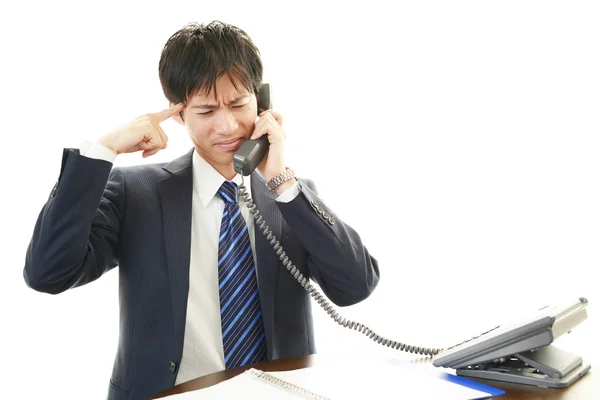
(519, 352)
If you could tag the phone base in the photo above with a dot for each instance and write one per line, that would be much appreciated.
(546, 367)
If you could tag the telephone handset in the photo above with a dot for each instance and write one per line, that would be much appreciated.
(251, 152)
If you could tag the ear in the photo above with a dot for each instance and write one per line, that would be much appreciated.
(178, 117)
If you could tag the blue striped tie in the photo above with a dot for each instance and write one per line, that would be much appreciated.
(241, 318)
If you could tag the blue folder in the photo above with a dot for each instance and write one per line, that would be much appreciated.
(459, 380)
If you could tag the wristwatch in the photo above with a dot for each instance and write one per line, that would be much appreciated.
(280, 178)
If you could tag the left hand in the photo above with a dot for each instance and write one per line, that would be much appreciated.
(269, 123)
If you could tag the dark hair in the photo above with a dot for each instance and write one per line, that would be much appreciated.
(197, 55)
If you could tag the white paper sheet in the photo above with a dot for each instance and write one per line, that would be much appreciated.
(341, 381)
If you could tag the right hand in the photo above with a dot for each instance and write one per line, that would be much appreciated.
(144, 133)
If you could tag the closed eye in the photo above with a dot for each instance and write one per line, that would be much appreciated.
(210, 111)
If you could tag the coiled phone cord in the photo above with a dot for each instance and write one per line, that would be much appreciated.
(319, 298)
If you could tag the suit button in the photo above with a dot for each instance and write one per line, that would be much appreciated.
(331, 220)
(53, 193)
(172, 366)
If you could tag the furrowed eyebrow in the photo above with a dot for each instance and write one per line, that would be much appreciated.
(213, 106)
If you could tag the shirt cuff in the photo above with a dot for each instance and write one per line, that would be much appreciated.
(289, 194)
(97, 151)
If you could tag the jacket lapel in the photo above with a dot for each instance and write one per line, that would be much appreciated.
(268, 265)
(176, 201)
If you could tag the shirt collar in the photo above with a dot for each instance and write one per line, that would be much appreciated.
(207, 180)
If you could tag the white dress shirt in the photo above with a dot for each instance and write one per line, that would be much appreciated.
(203, 345)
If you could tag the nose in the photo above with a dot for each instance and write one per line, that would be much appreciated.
(225, 122)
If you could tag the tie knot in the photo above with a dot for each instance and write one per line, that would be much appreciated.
(228, 192)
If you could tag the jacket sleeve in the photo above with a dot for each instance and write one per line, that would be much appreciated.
(76, 236)
(338, 261)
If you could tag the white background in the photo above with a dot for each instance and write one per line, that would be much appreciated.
(460, 139)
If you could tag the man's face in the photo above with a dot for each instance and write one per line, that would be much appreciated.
(218, 126)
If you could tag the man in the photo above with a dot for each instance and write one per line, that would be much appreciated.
(200, 287)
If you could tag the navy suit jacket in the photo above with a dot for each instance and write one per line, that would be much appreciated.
(139, 218)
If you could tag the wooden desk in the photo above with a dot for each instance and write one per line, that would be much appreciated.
(587, 387)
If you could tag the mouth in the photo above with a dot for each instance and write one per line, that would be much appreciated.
(228, 145)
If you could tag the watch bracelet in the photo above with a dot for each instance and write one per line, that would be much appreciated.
(280, 178)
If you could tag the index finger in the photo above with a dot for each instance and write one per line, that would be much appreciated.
(278, 117)
(167, 113)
